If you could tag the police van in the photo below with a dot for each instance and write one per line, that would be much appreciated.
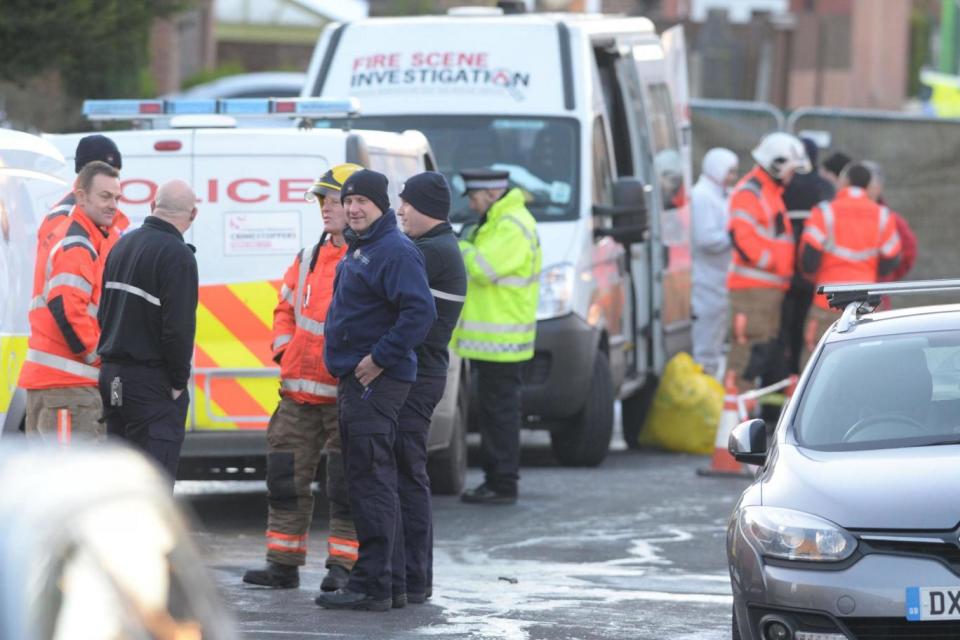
(31, 181)
(253, 219)
(588, 114)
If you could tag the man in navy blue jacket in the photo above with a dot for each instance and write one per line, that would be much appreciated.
(381, 310)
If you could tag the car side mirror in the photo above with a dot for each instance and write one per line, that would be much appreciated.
(748, 442)
(628, 213)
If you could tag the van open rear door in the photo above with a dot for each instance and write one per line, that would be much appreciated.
(675, 51)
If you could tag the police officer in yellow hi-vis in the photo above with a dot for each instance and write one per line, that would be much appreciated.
(498, 324)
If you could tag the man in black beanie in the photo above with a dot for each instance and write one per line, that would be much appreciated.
(423, 213)
(90, 148)
(381, 310)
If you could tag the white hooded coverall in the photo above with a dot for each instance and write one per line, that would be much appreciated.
(711, 258)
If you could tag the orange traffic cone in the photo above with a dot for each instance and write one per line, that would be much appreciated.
(722, 463)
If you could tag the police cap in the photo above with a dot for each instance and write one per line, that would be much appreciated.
(474, 179)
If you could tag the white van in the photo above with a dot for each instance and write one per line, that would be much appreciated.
(253, 219)
(31, 181)
(579, 109)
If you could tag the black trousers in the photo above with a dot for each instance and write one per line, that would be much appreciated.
(500, 420)
(148, 416)
(793, 318)
(415, 551)
(368, 432)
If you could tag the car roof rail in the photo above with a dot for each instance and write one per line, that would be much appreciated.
(858, 299)
(308, 108)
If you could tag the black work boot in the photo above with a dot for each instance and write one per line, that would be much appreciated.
(399, 600)
(347, 599)
(484, 494)
(274, 575)
(336, 578)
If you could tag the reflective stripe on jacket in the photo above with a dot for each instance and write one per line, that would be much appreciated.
(503, 259)
(763, 248)
(853, 234)
(63, 314)
(298, 323)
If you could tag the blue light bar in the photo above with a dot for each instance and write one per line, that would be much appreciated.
(254, 107)
(190, 107)
(244, 106)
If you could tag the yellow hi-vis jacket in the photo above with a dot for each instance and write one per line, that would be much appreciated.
(503, 259)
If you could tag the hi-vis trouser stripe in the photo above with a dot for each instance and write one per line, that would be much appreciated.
(64, 364)
(277, 541)
(64, 426)
(344, 548)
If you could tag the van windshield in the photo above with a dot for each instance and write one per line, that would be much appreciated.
(540, 154)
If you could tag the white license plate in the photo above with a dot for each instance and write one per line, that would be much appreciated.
(933, 603)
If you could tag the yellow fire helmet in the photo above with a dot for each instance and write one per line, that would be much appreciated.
(332, 180)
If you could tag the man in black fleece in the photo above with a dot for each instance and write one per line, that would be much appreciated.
(423, 214)
(381, 310)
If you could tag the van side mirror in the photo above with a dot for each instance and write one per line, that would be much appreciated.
(748, 442)
(628, 212)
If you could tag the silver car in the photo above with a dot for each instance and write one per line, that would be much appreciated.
(850, 530)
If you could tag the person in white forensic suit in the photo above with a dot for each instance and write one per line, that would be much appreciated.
(711, 256)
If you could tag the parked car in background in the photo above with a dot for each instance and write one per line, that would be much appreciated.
(851, 529)
(268, 84)
(93, 547)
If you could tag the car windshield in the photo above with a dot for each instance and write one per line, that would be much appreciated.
(540, 154)
(886, 392)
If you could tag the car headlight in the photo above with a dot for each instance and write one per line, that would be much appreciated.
(795, 535)
(556, 291)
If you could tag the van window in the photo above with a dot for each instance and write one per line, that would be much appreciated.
(667, 160)
(602, 173)
(540, 154)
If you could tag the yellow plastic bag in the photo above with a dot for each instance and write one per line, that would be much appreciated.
(686, 409)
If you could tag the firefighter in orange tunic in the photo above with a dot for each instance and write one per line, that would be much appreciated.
(763, 248)
(305, 422)
(61, 368)
(852, 239)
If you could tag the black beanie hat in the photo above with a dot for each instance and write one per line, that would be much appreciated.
(428, 193)
(369, 184)
(836, 162)
(97, 147)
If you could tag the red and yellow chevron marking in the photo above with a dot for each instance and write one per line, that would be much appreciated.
(234, 332)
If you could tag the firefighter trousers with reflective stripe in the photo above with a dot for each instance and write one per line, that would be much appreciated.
(297, 436)
(500, 418)
(65, 414)
(148, 416)
(415, 551)
(368, 431)
(755, 318)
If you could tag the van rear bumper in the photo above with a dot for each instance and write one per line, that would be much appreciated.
(556, 380)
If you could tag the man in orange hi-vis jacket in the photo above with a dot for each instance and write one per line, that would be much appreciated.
(763, 248)
(852, 239)
(61, 368)
(305, 422)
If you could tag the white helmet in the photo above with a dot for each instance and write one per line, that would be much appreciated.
(781, 155)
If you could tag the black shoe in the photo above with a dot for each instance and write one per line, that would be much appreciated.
(336, 578)
(399, 600)
(485, 495)
(347, 599)
(274, 575)
(416, 598)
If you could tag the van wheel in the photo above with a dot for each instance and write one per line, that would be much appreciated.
(585, 440)
(633, 411)
(448, 468)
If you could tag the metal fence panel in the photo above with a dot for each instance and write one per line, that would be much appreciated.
(736, 125)
(920, 157)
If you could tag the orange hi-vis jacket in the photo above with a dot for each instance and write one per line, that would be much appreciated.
(63, 315)
(298, 324)
(763, 245)
(852, 239)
